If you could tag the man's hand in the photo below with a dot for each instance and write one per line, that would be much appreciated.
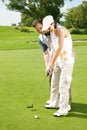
(49, 70)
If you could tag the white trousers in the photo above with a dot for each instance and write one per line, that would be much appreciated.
(60, 85)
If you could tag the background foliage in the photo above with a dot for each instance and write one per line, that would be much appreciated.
(77, 17)
(36, 9)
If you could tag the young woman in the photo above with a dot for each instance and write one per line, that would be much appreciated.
(61, 65)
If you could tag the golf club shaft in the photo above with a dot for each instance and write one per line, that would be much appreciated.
(42, 84)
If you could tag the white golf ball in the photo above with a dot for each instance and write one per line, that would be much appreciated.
(36, 117)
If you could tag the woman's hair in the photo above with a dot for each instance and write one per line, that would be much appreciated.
(55, 26)
(35, 22)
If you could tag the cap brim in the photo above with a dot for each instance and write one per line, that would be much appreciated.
(44, 28)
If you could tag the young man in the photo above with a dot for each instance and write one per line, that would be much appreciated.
(44, 41)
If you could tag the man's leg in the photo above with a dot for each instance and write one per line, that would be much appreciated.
(50, 77)
(54, 94)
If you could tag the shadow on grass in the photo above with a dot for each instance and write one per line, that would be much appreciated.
(78, 110)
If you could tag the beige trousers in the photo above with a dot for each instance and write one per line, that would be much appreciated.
(60, 85)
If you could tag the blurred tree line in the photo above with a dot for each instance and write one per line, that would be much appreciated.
(37, 9)
(77, 17)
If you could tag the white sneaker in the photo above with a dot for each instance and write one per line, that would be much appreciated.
(49, 106)
(61, 113)
(69, 108)
(48, 102)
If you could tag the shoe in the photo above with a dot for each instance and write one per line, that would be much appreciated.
(49, 106)
(48, 102)
(69, 108)
(61, 113)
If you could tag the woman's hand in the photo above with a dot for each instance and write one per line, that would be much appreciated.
(51, 66)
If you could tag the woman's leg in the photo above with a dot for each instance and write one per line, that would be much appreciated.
(64, 87)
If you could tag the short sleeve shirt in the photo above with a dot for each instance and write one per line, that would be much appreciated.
(44, 42)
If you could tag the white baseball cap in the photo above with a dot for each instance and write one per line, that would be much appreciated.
(47, 21)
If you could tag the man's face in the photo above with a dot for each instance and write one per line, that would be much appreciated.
(39, 27)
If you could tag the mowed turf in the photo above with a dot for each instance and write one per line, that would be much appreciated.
(21, 75)
(12, 39)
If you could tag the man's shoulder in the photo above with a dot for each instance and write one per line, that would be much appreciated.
(43, 37)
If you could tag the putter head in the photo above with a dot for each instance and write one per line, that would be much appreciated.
(31, 106)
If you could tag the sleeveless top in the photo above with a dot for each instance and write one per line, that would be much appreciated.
(66, 54)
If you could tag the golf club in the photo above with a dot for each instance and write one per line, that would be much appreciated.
(42, 84)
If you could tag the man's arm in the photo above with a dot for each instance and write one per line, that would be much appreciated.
(46, 58)
(46, 54)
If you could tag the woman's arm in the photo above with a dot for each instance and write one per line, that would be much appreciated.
(61, 34)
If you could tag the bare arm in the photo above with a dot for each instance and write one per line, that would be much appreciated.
(46, 58)
(61, 34)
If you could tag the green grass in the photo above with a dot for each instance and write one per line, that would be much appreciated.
(79, 37)
(14, 39)
(21, 73)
